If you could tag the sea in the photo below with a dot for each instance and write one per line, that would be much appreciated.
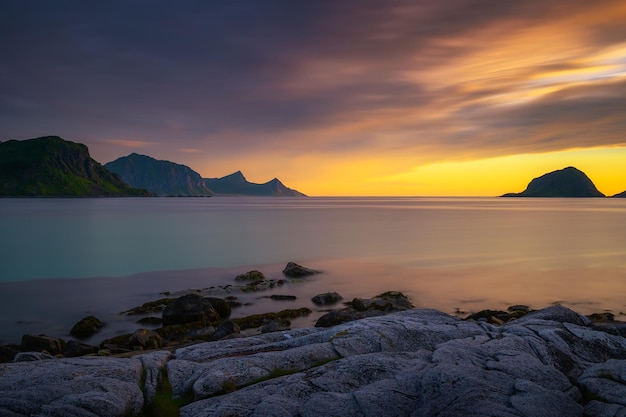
(63, 259)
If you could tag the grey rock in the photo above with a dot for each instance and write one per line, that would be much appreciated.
(31, 356)
(409, 363)
(89, 386)
(253, 275)
(153, 364)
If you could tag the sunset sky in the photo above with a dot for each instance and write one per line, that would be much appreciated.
(337, 97)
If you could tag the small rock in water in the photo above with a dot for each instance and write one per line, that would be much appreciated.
(281, 297)
(253, 275)
(86, 327)
(189, 308)
(294, 270)
(327, 298)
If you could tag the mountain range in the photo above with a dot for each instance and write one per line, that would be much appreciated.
(167, 178)
(52, 167)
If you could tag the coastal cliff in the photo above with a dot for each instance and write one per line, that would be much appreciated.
(53, 167)
(414, 362)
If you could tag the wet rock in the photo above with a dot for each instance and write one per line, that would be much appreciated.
(189, 308)
(496, 317)
(86, 327)
(156, 306)
(225, 329)
(220, 305)
(292, 269)
(366, 307)
(146, 339)
(150, 321)
(257, 320)
(327, 298)
(388, 301)
(73, 349)
(262, 285)
(280, 297)
(251, 276)
(51, 345)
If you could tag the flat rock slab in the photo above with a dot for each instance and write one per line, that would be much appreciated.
(76, 387)
(411, 363)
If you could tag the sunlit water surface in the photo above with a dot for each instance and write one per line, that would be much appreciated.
(64, 258)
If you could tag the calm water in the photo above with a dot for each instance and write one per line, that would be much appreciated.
(63, 258)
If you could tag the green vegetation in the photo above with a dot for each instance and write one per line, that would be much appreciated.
(164, 404)
(52, 167)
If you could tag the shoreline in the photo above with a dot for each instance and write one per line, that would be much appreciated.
(52, 306)
(275, 300)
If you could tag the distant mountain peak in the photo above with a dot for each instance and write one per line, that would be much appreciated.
(163, 178)
(566, 182)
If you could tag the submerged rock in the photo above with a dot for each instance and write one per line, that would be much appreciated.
(189, 308)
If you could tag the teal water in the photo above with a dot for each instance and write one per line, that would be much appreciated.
(448, 253)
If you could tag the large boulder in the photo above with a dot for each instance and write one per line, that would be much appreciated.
(189, 308)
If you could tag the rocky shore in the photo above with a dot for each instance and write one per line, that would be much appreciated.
(364, 357)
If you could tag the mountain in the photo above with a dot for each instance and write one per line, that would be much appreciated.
(163, 178)
(53, 167)
(169, 178)
(567, 182)
(620, 195)
(237, 184)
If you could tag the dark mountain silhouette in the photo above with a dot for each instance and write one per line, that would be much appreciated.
(567, 182)
(237, 184)
(169, 178)
(53, 167)
(620, 195)
(163, 178)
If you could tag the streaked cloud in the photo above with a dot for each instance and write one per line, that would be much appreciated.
(380, 88)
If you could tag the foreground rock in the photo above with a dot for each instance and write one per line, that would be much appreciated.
(408, 363)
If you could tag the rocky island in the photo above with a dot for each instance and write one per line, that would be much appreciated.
(566, 182)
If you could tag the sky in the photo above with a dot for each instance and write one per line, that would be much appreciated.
(333, 97)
